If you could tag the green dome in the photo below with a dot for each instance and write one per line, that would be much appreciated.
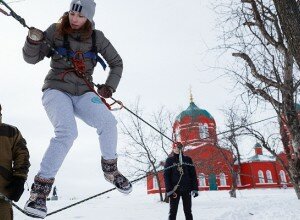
(193, 111)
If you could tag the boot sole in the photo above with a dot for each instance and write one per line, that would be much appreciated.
(120, 190)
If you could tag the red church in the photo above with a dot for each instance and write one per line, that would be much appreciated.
(195, 128)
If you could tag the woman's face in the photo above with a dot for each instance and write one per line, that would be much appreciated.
(76, 20)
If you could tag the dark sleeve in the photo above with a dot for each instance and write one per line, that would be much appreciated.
(168, 176)
(34, 53)
(111, 56)
(20, 158)
(193, 175)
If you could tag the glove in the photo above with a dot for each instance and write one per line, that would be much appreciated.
(195, 193)
(35, 35)
(16, 188)
(105, 91)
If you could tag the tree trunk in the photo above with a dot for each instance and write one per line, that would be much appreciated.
(159, 185)
(293, 165)
(232, 191)
(289, 16)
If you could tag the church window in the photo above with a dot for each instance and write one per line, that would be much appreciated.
(238, 180)
(261, 177)
(282, 177)
(222, 179)
(203, 130)
(269, 176)
(202, 181)
(155, 184)
(177, 135)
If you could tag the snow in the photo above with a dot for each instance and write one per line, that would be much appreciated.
(259, 158)
(249, 204)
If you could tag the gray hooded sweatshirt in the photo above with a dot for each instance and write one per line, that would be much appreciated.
(70, 82)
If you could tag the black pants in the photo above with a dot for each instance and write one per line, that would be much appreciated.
(187, 205)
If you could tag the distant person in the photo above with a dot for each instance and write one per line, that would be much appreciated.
(68, 93)
(177, 185)
(14, 165)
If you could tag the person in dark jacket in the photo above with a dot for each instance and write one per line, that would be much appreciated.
(68, 92)
(14, 166)
(180, 181)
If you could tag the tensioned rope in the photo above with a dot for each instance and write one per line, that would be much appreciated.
(133, 181)
(22, 21)
(3, 197)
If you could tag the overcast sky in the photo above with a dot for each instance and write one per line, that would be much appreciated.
(165, 46)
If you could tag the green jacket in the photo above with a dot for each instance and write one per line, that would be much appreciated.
(71, 83)
(14, 156)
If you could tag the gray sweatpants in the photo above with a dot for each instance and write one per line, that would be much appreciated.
(61, 109)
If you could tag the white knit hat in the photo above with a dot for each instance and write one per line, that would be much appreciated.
(85, 7)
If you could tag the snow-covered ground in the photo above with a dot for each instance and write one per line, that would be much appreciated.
(250, 204)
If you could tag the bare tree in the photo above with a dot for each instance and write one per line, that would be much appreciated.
(289, 15)
(230, 140)
(268, 73)
(146, 147)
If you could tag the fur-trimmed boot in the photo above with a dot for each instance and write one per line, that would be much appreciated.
(113, 176)
(40, 189)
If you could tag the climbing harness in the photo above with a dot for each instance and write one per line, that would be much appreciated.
(89, 83)
(67, 52)
(76, 62)
(179, 168)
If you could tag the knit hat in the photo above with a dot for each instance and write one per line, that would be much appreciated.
(85, 7)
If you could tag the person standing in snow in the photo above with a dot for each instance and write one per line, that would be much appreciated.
(180, 182)
(67, 92)
(14, 166)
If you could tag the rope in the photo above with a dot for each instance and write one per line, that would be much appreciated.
(79, 70)
(3, 197)
(170, 139)
(91, 84)
(13, 14)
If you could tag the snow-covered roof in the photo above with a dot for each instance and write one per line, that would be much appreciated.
(190, 147)
(261, 158)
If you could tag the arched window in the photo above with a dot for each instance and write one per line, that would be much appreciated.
(155, 184)
(282, 177)
(177, 135)
(203, 130)
(238, 180)
(202, 181)
(261, 176)
(269, 176)
(223, 179)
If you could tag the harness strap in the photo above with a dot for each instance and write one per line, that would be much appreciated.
(95, 50)
(66, 51)
(180, 169)
(71, 54)
(79, 70)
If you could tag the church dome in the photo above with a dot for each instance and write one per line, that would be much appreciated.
(193, 111)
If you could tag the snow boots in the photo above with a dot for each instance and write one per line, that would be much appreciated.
(113, 176)
(40, 189)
